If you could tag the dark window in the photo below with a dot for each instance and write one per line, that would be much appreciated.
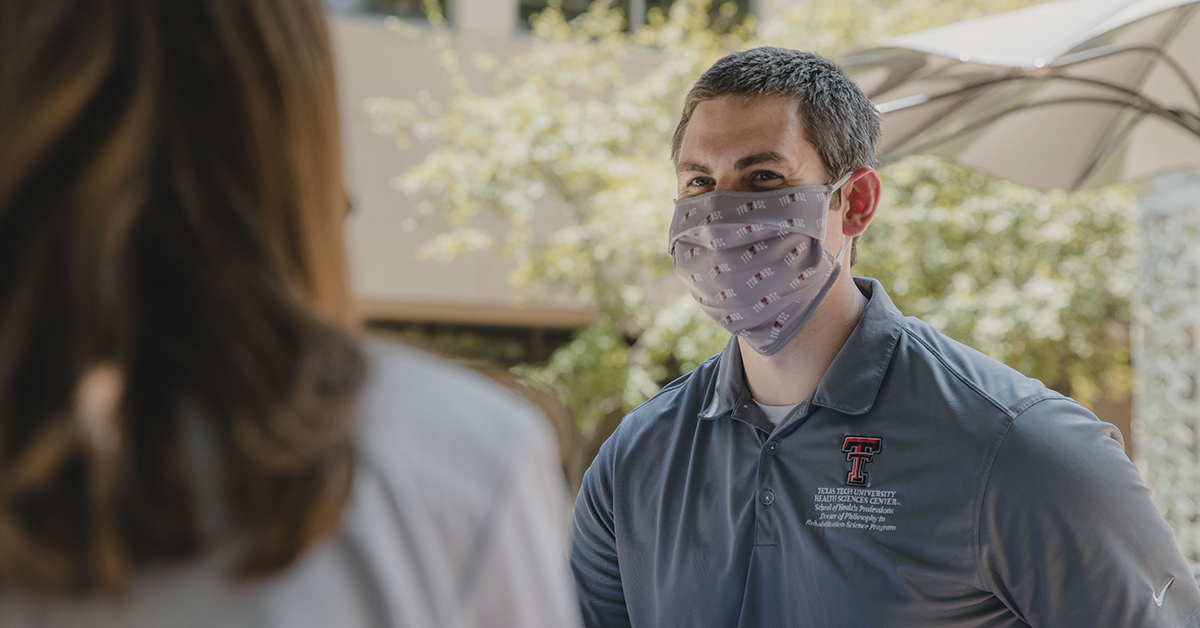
(724, 14)
(413, 9)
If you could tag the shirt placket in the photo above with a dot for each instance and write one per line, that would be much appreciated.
(766, 528)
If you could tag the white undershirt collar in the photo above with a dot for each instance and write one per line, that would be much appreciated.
(775, 414)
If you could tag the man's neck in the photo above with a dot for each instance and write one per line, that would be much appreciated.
(791, 375)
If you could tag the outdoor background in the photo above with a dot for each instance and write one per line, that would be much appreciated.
(509, 167)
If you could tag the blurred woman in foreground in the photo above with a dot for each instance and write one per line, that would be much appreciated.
(191, 431)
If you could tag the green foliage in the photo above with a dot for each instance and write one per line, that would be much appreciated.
(574, 131)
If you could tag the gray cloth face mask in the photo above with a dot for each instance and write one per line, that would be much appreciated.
(754, 260)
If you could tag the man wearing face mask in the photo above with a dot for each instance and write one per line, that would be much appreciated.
(838, 464)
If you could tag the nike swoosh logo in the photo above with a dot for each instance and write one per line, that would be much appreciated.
(1158, 597)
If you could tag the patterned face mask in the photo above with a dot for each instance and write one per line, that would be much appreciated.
(754, 260)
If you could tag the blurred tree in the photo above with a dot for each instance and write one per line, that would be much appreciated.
(581, 120)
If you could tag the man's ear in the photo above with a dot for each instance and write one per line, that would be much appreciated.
(860, 199)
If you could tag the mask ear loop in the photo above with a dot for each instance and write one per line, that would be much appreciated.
(845, 243)
(837, 185)
(840, 182)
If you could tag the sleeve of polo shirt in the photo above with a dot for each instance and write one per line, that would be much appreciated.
(592, 546)
(1068, 534)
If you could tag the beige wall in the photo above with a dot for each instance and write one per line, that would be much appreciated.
(495, 18)
(386, 274)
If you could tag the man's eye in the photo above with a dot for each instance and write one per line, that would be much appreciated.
(700, 182)
(764, 175)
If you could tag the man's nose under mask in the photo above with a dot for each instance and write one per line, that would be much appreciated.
(755, 261)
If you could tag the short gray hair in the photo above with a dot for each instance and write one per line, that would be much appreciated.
(839, 120)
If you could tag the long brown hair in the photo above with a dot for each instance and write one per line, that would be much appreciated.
(170, 236)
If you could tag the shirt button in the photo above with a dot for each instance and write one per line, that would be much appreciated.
(767, 498)
(773, 447)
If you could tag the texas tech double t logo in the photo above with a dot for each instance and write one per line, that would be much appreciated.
(859, 451)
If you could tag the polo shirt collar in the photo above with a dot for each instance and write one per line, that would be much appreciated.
(853, 379)
(726, 394)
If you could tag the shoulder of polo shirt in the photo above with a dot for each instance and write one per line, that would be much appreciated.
(995, 383)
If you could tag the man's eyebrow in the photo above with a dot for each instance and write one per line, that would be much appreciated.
(746, 162)
(691, 166)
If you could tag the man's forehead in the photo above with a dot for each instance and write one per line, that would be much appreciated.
(775, 107)
(748, 130)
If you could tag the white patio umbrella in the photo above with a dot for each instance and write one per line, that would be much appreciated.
(1068, 94)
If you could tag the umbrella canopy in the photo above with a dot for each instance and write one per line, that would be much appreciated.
(1068, 94)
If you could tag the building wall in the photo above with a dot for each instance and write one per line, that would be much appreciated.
(386, 274)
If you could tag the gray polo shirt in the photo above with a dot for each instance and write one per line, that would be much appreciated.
(923, 484)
